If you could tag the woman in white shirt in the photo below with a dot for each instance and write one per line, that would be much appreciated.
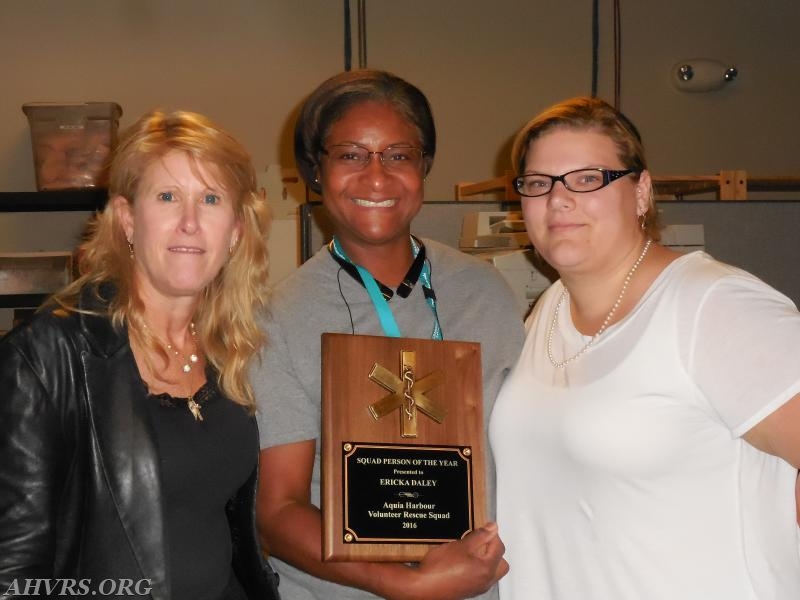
(648, 439)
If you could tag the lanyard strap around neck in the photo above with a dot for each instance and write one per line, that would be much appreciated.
(380, 294)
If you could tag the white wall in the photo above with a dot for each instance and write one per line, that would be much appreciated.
(487, 67)
(245, 63)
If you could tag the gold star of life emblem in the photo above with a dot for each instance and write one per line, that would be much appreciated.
(406, 393)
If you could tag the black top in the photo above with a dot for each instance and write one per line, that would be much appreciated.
(203, 464)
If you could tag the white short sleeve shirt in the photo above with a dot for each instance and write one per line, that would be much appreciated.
(624, 476)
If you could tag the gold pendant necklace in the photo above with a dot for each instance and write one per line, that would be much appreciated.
(188, 362)
(194, 408)
(191, 403)
(563, 363)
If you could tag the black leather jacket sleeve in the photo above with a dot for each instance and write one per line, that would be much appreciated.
(36, 452)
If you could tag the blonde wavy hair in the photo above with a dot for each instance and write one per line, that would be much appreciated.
(226, 316)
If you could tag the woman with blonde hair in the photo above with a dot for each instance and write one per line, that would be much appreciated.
(129, 447)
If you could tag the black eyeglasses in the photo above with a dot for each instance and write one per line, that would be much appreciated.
(353, 157)
(581, 181)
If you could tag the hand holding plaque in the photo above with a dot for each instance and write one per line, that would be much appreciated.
(402, 445)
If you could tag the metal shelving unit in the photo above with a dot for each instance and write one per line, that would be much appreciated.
(90, 199)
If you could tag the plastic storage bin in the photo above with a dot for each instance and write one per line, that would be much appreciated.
(72, 143)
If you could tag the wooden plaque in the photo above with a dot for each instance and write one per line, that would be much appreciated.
(403, 458)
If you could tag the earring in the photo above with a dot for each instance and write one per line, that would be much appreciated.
(642, 218)
(130, 248)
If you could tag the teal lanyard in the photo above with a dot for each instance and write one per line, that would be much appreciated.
(378, 297)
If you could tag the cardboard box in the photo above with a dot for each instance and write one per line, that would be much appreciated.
(72, 143)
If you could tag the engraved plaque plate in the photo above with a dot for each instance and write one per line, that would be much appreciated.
(404, 493)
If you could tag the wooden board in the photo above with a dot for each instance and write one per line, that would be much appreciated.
(386, 497)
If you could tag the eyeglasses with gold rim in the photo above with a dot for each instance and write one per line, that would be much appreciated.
(355, 157)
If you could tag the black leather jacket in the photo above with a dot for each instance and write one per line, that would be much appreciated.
(80, 492)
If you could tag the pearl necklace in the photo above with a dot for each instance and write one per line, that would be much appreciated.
(606, 321)
(188, 361)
